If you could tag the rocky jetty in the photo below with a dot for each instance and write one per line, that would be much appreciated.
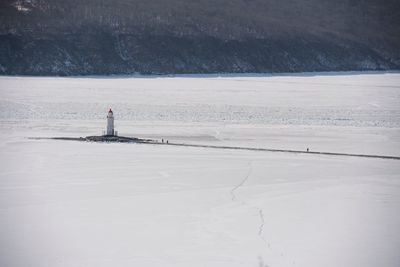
(104, 138)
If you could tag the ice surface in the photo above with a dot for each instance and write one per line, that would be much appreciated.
(88, 204)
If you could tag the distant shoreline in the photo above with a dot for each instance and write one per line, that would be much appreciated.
(214, 75)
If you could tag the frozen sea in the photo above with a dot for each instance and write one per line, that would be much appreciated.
(67, 204)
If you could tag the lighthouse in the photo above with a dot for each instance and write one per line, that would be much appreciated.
(110, 123)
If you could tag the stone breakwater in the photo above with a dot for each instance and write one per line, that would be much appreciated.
(102, 138)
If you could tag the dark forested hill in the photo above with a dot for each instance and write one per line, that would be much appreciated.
(73, 37)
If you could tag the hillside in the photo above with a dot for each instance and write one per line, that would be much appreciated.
(57, 37)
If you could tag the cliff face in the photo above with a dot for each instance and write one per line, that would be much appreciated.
(57, 37)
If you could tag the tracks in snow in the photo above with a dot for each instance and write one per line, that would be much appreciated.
(261, 228)
(241, 183)
(260, 211)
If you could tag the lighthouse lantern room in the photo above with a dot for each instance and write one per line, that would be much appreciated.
(110, 123)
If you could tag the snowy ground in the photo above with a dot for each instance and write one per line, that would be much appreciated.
(86, 204)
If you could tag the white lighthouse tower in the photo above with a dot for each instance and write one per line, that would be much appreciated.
(110, 123)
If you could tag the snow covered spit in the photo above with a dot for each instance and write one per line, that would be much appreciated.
(65, 203)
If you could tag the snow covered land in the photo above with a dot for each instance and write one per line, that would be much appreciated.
(66, 203)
